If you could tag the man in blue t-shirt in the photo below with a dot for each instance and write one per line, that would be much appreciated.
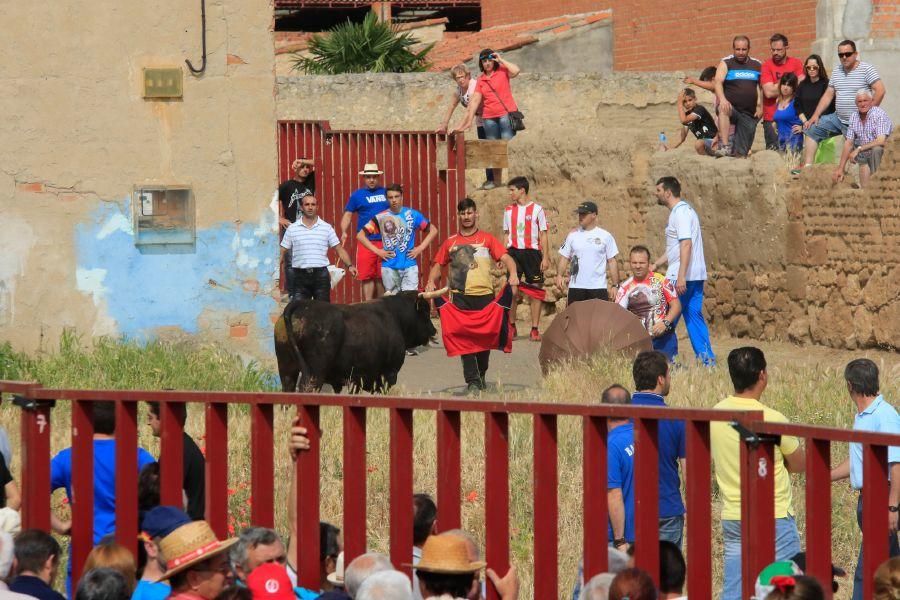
(620, 471)
(651, 380)
(104, 420)
(366, 202)
(397, 227)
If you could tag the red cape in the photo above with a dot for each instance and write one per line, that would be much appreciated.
(472, 331)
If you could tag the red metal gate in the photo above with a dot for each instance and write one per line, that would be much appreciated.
(414, 159)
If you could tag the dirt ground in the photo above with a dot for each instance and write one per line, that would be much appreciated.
(433, 372)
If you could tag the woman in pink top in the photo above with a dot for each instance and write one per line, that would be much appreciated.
(493, 96)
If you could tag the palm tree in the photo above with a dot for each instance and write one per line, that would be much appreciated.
(370, 46)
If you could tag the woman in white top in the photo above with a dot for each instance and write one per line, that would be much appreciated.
(465, 88)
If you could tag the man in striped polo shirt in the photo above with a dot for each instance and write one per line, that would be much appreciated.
(525, 225)
(308, 240)
(852, 75)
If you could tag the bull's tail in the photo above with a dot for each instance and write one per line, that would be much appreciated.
(292, 339)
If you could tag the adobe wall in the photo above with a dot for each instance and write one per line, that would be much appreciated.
(789, 259)
(78, 136)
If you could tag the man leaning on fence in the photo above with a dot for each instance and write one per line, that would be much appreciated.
(747, 368)
(874, 413)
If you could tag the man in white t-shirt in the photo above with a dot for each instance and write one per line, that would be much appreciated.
(687, 265)
(591, 251)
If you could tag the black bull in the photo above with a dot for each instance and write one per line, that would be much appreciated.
(362, 345)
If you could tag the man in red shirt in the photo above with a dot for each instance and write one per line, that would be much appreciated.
(475, 320)
(771, 73)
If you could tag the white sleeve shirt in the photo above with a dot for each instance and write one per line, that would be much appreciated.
(684, 224)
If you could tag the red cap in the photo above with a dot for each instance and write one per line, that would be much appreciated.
(270, 581)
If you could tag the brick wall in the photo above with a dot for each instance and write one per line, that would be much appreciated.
(885, 19)
(502, 12)
(660, 35)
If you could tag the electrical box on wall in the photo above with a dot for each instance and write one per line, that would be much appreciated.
(164, 216)
(163, 82)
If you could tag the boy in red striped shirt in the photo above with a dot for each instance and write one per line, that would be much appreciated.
(525, 224)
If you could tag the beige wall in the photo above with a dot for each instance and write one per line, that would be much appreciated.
(78, 135)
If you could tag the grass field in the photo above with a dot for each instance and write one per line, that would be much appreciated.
(806, 393)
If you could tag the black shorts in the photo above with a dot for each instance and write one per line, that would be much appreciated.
(528, 265)
(579, 294)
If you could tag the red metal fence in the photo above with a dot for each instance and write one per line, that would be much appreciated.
(757, 483)
(410, 158)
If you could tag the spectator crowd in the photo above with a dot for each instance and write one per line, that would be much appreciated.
(803, 111)
(180, 556)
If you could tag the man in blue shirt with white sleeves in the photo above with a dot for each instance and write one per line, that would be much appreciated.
(687, 264)
(874, 414)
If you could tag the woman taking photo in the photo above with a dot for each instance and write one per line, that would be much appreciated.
(787, 120)
(465, 89)
(811, 89)
(493, 95)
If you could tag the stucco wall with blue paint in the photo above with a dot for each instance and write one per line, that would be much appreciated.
(230, 274)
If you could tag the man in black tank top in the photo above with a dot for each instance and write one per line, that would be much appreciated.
(740, 98)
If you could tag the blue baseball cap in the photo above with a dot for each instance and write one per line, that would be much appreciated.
(163, 520)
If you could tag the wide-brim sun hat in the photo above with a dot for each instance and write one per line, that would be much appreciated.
(448, 554)
(371, 169)
(337, 578)
(190, 544)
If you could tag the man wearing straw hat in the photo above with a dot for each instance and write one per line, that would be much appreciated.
(367, 202)
(197, 564)
(447, 571)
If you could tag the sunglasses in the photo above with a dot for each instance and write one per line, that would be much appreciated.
(845, 54)
(812, 68)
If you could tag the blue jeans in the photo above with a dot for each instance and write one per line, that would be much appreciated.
(498, 129)
(667, 343)
(894, 550)
(671, 529)
(692, 311)
(787, 544)
(828, 126)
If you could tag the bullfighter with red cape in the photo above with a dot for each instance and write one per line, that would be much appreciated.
(475, 320)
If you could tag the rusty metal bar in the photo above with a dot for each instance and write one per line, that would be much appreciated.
(875, 514)
(216, 443)
(126, 475)
(82, 497)
(307, 474)
(757, 510)
(401, 425)
(818, 512)
(646, 495)
(546, 507)
(698, 488)
(594, 487)
(171, 453)
(496, 491)
(262, 477)
(449, 469)
(354, 482)
(34, 426)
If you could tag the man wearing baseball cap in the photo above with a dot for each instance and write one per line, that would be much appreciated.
(367, 202)
(590, 253)
(157, 524)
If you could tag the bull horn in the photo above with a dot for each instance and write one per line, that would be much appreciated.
(435, 293)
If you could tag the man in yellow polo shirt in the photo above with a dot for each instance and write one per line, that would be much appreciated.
(747, 367)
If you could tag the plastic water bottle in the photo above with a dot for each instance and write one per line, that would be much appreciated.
(663, 142)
